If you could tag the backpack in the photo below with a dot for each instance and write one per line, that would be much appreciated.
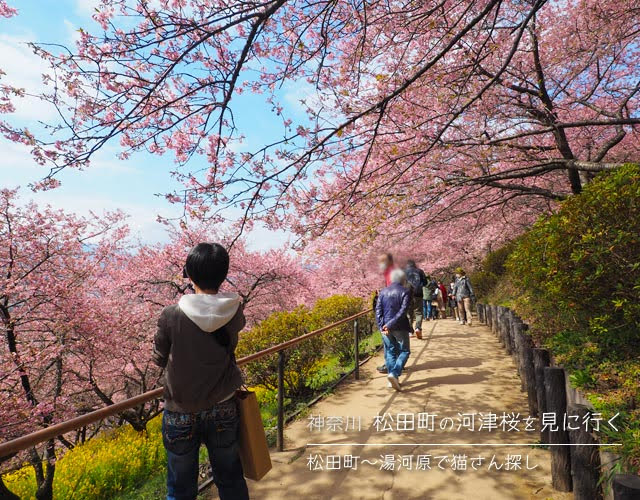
(414, 280)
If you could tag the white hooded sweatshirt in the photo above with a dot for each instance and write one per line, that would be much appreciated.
(210, 311)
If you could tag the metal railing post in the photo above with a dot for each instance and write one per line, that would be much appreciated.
(280, 430)
(356, 349)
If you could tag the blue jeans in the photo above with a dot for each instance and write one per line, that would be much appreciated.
(427, 309)
(217, 428)
(396, 351)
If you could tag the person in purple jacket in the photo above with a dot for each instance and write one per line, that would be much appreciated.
(391, 315)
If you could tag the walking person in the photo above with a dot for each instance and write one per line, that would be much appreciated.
(442, 300)
(435, 312)
(464, 296)
(432, 293)
(195, 344)
(427, 295)
(385, 266)
(416, 279)
(453, 305)
(391, 315)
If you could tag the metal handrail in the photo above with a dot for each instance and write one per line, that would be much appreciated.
(28, 440)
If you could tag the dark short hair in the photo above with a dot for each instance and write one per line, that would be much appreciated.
(207, 265)
(411, 263)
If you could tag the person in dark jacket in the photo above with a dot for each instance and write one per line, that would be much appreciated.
(391, 315)
(195, 344)
(416, 279)
(386, 266)
(463, 291)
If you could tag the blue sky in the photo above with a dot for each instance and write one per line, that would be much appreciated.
(109, 183)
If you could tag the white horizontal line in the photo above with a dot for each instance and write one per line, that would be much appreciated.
(456, 444)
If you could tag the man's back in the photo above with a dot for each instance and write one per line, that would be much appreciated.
(391, 308)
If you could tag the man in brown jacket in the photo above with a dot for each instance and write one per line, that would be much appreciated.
(195, 344)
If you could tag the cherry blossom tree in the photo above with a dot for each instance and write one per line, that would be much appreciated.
(421, 113)
(44, 266)
(267, 281)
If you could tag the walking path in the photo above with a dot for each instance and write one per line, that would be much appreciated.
(455, 368)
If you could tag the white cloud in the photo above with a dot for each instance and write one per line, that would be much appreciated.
(87, 7)
(24, 70)
(72, 32)
(98, 189)
(262, 238)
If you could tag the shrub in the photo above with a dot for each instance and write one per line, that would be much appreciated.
(302, 362)
(299, 360)
(338, 340)
(578, 278)
(582, 264)
(491, 269)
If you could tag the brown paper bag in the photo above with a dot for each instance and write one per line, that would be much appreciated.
(254, 452)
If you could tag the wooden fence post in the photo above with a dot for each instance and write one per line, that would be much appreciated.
(499, 326)
(494, 320)
(513, 318)
(519, 345)
(480, 312)
(487, 312)
(585, 460)
(626, 487)
(530, 377)
(541, 360)
(506, 330)
(512, 335)
(556, 401)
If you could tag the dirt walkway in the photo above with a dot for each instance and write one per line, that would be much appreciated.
(454, 369)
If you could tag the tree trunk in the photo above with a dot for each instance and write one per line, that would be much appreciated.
(45, 486)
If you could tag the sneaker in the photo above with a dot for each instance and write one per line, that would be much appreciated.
(418, 334)
(389, 384)
(382, 369)
(393, 380)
